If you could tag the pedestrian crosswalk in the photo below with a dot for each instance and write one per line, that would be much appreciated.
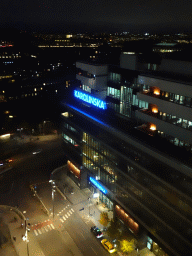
(67, 214)
(47, 225)
(43, 230)
(42, 227)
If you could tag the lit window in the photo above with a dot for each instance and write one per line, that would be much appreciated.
(157, 92)
(152, 127)
(155, 110)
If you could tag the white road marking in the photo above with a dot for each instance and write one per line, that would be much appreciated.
(61, 220)
(39, 231)
(82, 235)
(52, 226)
(46, 229)
(93, 250)
(72, 209)
(68, 214)
(35, 231)
(64, 218)
(49, 227)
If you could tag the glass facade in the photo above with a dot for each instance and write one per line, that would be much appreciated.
(114, 77)
(172, 119)
(135, 189)
(98, 160)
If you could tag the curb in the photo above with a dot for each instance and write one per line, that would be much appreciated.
(35, 193)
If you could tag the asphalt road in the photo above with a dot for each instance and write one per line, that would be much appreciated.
(73, 237)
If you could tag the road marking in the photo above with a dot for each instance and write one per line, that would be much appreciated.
(93, 250)
(52, 226)
(61, 220)
(49, 227)
(39, 231)
(46, 229)
(35, 231)
(64, 218)
(72, 210)
(82, 235)
(68, 214)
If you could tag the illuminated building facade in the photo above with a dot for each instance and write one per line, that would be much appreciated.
(143, 178)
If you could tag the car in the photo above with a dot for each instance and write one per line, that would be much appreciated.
(108, 246)
(37, 151)
(97, 232)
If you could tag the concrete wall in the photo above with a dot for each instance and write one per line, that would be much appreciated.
(176, 66)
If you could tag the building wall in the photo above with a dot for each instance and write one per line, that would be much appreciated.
(129, 61)
(166, 85)
(176, 66)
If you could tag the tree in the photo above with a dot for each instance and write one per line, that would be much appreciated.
(113, 230)
(127, 235)
(127, 246)
(104, 219)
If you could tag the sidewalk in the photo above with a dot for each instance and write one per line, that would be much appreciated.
(91, 212)
(11, 232)
(80, 198)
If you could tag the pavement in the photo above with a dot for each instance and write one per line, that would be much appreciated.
(12, 231)
(12, 221)
(92, 210)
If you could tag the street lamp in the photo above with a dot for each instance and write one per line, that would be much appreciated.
(25, 237)
(53, 193)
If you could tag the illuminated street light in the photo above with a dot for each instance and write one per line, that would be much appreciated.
(53, 193)
(25, 237)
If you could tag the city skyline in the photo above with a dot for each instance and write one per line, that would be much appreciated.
(97, 16)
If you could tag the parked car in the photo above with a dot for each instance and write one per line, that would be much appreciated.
(97, 232)
(108, 246)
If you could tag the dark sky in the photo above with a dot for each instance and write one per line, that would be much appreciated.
(98, 15)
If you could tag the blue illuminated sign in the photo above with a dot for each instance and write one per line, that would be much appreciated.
(98, 185)
(90, 99)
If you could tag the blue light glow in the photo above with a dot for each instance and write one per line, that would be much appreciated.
(90, 99)
(98, 185)
(85, 114)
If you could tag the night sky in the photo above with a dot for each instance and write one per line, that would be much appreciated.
(98, 15)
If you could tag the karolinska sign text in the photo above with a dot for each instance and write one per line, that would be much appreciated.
(90, 99)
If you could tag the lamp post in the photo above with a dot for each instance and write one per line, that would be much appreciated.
(25, 237)
(89, 205)
(53, 194)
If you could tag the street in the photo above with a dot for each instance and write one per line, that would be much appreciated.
(67, 233)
